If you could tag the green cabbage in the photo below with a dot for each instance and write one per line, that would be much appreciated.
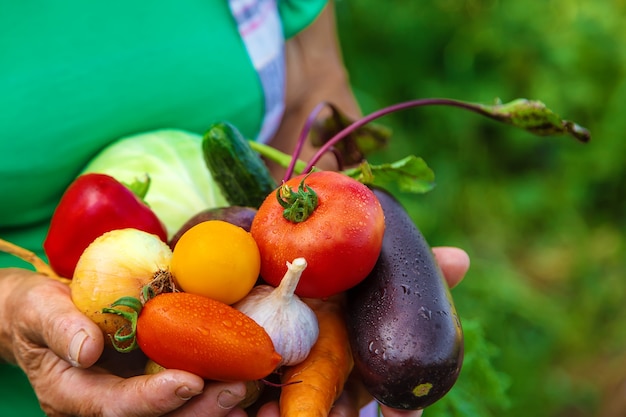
(180, 183)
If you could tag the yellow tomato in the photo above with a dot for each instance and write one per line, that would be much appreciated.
(216, 259)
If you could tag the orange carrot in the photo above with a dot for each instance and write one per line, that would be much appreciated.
(312, 386)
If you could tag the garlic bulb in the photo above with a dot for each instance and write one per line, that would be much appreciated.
(290, 323)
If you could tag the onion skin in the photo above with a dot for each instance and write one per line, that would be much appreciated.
(117, 264)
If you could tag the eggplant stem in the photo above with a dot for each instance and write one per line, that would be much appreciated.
(39, 264)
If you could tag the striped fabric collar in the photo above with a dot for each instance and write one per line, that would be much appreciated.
(261, 30)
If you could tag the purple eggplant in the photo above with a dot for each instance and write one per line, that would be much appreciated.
(405, 333)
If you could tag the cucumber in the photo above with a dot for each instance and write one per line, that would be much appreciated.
(239, 171)
(404, 330)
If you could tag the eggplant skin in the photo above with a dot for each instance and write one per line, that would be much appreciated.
(405, 334)
(241, 216)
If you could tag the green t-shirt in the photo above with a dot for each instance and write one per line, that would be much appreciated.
(74, 76)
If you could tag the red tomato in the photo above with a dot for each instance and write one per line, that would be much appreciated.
(341, 239)
(205, 337)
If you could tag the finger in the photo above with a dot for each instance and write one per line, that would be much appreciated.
(238, 412)
(219, 399)
(53, 321)
(391, 412)
(269, 409)
(357, 391)
(454, 263)
(102, 393)
(344, 406)
(372, 409)
(148, 395)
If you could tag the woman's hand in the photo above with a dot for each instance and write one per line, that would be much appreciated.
(57, 346)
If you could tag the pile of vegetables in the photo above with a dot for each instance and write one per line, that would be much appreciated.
(306, 281)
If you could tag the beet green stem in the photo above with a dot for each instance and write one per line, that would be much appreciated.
(387, 110)
(302, 138)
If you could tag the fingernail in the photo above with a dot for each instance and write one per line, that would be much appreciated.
(76, 346)
(227, 399)
(185, 393)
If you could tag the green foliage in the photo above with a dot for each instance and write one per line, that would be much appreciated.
(478, 380)
(542, 218)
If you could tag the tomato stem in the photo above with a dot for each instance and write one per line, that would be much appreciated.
(298, 205)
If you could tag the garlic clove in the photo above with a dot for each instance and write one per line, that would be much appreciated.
(290, 323)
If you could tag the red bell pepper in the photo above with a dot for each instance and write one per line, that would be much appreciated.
(92, 205)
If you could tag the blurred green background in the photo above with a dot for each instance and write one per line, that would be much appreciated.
(543, 218)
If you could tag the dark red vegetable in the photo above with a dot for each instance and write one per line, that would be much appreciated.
(238, 215)
(405, 333)
(92, 205)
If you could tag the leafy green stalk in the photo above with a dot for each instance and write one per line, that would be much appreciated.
(532, 116)
(410, 174)
(272, 154)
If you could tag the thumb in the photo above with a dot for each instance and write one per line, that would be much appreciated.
(102, 393)
(56, 323)
(454, 263)
(390, 412)
(149, 395)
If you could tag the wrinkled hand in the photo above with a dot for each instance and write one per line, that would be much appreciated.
(57, 346)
